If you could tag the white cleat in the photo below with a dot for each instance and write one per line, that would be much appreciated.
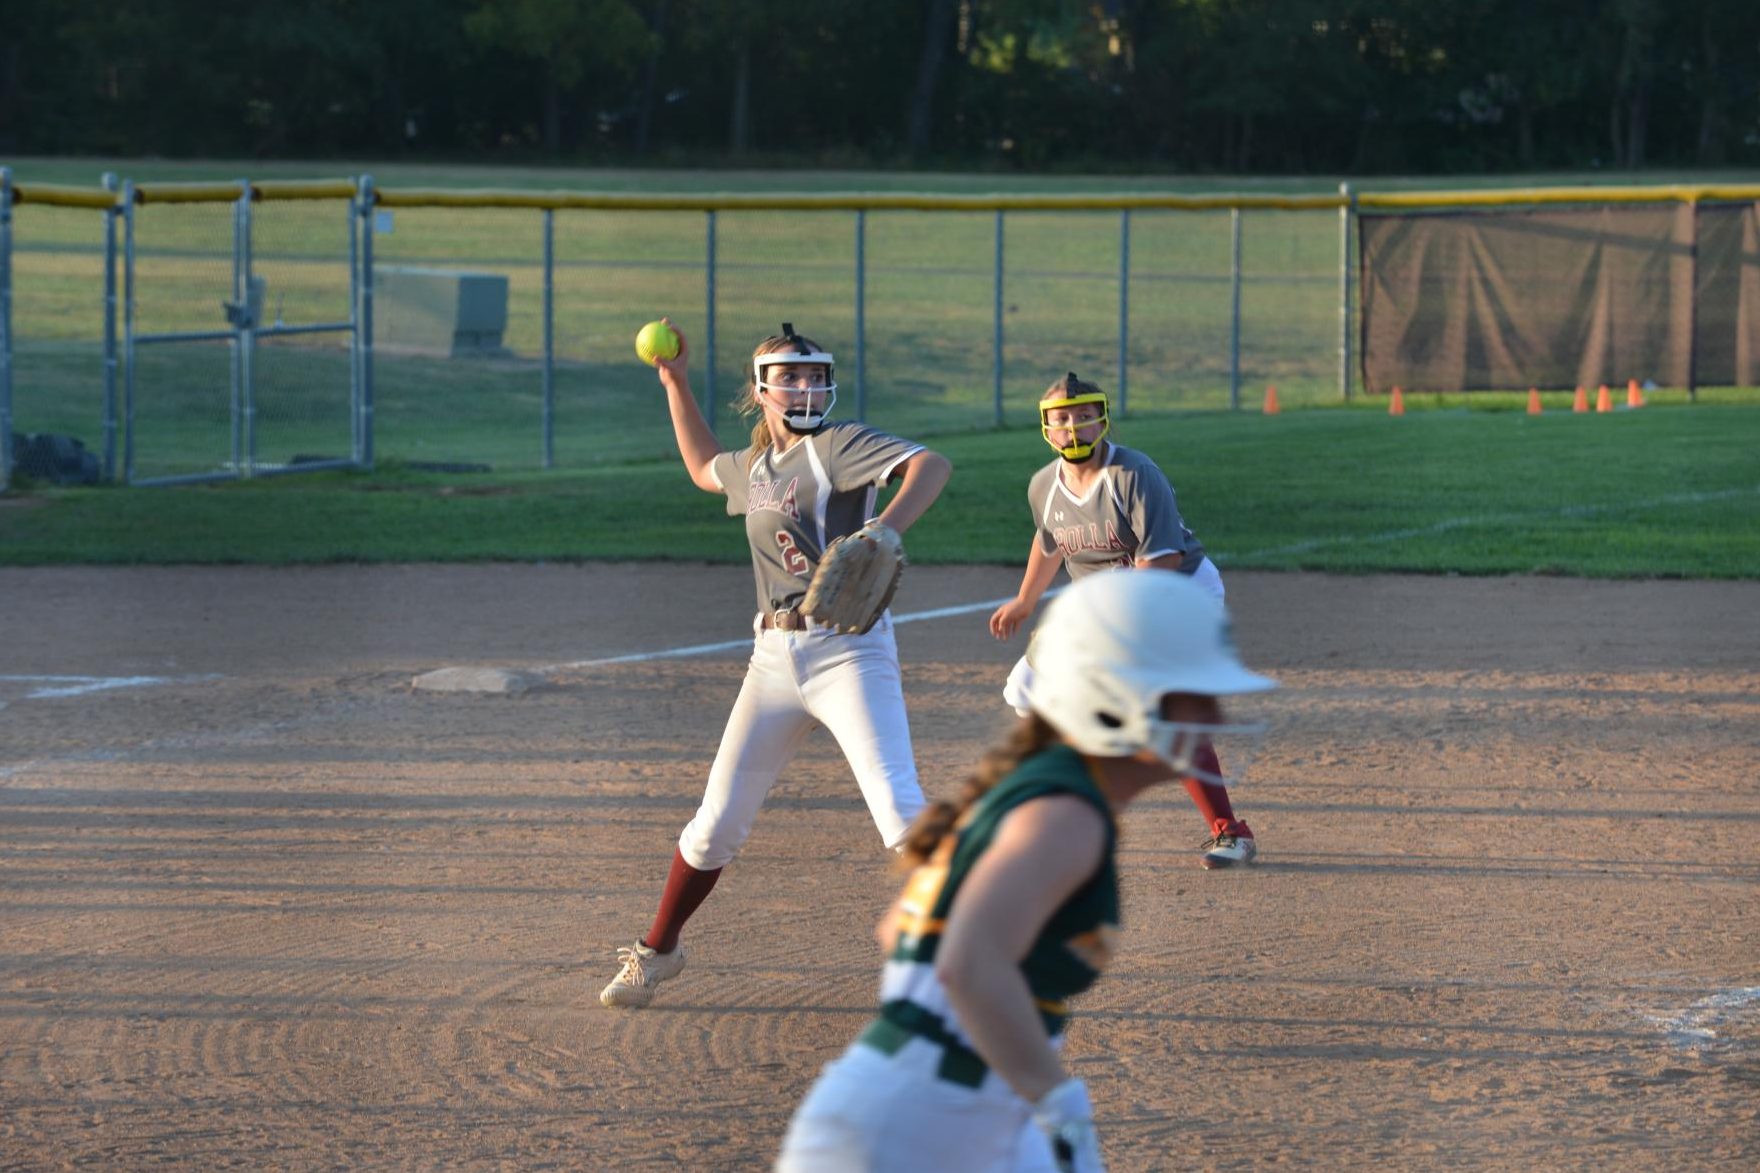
(1223, 850)
(642, 970)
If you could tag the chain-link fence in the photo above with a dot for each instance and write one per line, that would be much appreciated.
(238, 331)
(202, 331)
(945, 317)
(227, 330)
(178, 332)
(58, 376)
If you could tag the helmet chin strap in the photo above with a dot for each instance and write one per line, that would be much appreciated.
(803, 421)
(1087, 452)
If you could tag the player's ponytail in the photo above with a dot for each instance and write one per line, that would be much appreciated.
(761, 438)
(747, 404)
(938, 819)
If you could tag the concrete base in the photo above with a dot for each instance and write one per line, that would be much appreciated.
(498, 680)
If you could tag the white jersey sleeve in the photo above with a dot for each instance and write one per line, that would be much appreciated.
(859, 456)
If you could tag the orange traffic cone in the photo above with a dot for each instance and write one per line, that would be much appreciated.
(1634, 396)
(1397, 405)
(1603, 401)
(1533, 401)
(1582, 401)
(1271, 407)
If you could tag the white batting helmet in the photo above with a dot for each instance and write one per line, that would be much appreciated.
(1114, 643)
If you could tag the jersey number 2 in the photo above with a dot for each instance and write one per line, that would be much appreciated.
(792, 558)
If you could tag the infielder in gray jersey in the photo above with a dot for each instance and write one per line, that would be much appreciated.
(801, 484)
(1100, 505)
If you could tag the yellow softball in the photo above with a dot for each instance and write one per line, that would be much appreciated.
(656, 341)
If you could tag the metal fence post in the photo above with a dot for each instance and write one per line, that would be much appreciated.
(861, 314)
(236, 367)
(1234, 312)
(709, 327)
(128, 308)
(109, 181)
(996, 330)
(549, 337)
(5, 328)
(1124, 307)
(354, 329)
(364, 203)
(245, 426)
(1693, 308)
(1346, 213)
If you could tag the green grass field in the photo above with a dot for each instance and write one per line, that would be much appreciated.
(1666, 491)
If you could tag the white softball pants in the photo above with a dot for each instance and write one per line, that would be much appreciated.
(875, 1113)
(1014, 691)
(848, 683)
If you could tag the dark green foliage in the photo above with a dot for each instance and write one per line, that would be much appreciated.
(1235, 86)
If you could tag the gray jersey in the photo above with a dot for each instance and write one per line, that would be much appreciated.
(797, 502)
(1128, 513)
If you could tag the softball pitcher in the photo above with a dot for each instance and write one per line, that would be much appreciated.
(1100, 505)
(801, 484)
(1013, 903)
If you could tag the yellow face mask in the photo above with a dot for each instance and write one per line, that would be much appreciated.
(1075, 451)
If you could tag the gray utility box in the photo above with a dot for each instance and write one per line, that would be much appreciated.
(441, 312)
(248, 316)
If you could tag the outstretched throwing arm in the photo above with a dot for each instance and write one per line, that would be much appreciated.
(697, 445)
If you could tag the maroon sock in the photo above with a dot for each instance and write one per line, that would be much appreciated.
(686, 887)
(1211, 797)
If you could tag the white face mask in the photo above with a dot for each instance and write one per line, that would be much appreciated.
(1177, 743)
(803, 417)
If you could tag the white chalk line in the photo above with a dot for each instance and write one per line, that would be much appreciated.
(1695, 1028)
(1444, 526)
(731, 644)
(66, 686)
(61, 686)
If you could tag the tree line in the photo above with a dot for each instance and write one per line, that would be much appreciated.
(1208, 86)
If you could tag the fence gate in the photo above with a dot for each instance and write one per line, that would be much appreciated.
(240, 338)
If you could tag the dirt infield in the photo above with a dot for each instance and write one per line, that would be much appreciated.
(272, 908)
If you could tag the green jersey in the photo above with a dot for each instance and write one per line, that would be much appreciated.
(1067, 956)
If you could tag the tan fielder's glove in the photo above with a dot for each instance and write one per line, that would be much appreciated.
(856, 578)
